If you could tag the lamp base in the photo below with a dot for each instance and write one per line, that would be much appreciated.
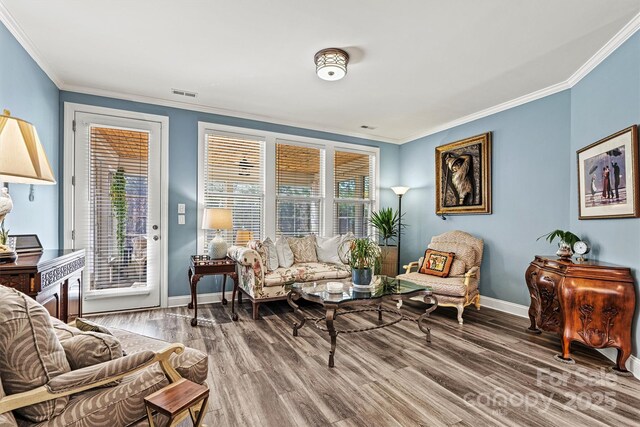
(218, 247)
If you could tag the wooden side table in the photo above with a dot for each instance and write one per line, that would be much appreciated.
(202, 265)
(176, 399)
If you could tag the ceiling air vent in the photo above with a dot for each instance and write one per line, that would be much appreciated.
(184, 93)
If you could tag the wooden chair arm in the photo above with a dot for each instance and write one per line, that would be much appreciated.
(409, 266)
(42, 393)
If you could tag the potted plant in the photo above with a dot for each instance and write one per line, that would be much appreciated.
(565, 245)
(363, 254)
(385, 222)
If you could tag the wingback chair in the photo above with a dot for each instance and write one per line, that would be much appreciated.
(53, 374)
(460, 288)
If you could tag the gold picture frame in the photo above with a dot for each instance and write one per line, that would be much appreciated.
(608, 184)
(463, 176)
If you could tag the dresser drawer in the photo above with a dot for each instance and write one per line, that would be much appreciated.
(21, 282)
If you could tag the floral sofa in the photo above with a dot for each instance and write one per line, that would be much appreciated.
(53, 374)
(261, 285)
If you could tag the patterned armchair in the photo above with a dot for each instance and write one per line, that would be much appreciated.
(52, 374)
(460, 288)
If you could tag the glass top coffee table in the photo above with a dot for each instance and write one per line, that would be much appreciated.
(354, 300)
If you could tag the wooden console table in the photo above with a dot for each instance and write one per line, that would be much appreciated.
(202, 265)
(590, 302)
(53, 278)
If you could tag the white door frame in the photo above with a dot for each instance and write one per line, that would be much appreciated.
(70, 109)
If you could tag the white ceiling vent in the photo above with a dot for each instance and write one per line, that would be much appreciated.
(184, 93)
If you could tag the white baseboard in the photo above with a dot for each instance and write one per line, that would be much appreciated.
(633, 364)
(182, 300)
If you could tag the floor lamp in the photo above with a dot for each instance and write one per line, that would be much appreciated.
(400, 191)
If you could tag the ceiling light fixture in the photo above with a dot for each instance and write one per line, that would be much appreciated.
(331, 64)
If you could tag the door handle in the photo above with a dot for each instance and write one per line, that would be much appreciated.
(156, 237)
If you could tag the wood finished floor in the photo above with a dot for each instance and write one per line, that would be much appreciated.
(488, 372)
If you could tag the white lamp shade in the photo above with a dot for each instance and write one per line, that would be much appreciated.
(400, 191)
(217, 219)
(22, 158)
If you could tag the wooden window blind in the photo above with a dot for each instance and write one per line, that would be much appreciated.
(299, 189)
(354, 186)
(234, 179)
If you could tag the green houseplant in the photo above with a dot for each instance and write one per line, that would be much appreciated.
(386, 222)
(565, 245)
(363, 255)
(118, 196)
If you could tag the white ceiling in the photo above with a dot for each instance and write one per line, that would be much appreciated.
(416, 65)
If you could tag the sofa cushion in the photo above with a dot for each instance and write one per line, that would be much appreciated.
(272, 254)
(451, 286)
(7, 419)
(306, 272)
(285, 255)
(303, 248)
(436, 263)
(462, 251)
(30, 353)
(327, 249)
(91, 348)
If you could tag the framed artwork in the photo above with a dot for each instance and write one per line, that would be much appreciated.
(608, 177)
(463, 176)
(26, 243)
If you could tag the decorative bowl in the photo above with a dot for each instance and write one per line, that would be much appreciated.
(335, 287)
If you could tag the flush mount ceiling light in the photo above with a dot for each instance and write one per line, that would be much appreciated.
(331, 64)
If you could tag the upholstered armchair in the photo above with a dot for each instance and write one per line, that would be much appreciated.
(53, 374)
(460, 288)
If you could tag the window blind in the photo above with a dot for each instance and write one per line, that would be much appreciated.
(234, 179)
(354, 186)
(299, 189)
(118, 199)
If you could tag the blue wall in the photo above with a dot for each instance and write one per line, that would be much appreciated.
(29, 94)
(183, 170)
(530, 186)
(604, 102)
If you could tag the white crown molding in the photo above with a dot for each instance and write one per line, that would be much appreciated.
(633, 363)
(491, 110)
(223, 112)
(615, 42)
(7, 19)
(621, 36)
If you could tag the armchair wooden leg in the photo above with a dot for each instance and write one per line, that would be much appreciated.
(460, 308)
(477, 303)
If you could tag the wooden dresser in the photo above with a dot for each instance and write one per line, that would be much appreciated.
(53, 278)
(590, 302)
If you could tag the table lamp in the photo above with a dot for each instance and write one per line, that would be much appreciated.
(22, 161)
(217, 219)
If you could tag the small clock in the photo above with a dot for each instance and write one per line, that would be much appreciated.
(581, 248)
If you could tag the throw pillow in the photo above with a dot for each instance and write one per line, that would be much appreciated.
(464, 252)
(327, 249)
(272, 254)
(285, 256)
(303, 248)
(91, 348)
(436, 263)
(30, 353)
(89, 326)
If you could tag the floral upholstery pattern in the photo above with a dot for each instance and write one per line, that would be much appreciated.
(259, 285)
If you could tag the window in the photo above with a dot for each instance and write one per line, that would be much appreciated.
(233, 178)
(299, 196)
(353, 175)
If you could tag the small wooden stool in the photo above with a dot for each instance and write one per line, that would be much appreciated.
(177, 398)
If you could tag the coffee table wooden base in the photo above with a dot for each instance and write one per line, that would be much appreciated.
(176, 401)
